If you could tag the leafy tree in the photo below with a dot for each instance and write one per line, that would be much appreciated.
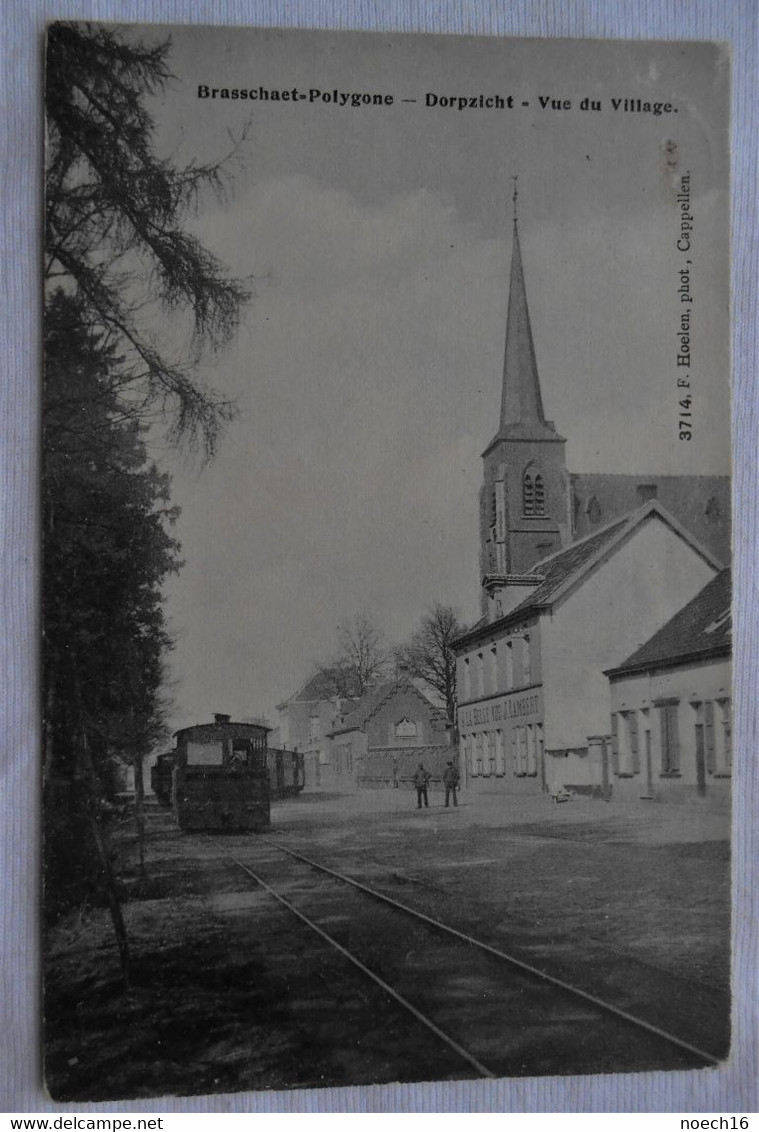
(429, 655)
(124, 280)
(114, 218)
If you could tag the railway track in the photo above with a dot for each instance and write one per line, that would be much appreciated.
(499, 1015)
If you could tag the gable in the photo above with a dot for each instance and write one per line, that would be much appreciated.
(702, 629)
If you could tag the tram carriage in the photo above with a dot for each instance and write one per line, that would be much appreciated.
(220, 777)
(286, 772)
(161, 774)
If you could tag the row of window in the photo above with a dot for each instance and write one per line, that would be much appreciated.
(712, 724)
(519, 749)
(482, 676)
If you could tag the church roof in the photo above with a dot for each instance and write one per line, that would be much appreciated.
(702, 629)
(522, 415)
(562, 571)
(700, 503)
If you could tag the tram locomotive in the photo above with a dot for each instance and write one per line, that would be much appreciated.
(221, 777)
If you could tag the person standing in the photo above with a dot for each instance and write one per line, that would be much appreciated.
(420, 780)
(450, 781)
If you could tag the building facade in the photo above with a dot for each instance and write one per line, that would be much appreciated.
(575, 570)
(671, 706)
(381, 740)
(532, 689)
(306, 719)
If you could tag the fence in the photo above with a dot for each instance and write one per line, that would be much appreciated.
(396, 766)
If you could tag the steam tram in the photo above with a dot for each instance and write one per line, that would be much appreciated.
(220, 778)
(223, 775)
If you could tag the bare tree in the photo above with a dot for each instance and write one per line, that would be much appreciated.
(429, 655)
(362, 658)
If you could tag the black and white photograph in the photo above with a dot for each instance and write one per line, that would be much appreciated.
(386, 559)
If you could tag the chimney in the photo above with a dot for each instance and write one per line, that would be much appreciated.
(219, 717)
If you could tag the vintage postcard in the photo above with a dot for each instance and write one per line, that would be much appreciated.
(387, 598)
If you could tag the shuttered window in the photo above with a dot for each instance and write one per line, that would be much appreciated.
(670, 739)
(708, 737)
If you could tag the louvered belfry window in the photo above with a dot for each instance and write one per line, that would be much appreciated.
(540, 496)
(533, 494)
(528, 494)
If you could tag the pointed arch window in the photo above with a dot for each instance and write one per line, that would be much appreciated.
(533, 493)
(528, 493)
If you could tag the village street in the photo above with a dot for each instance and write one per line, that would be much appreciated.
(230, 992)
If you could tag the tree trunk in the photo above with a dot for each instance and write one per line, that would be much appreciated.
(89, 780)
(139, 812)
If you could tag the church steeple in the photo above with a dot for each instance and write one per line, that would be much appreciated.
(522, 414)
(521, 402)
(524, 501)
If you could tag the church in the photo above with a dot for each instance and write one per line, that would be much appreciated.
(577, 572)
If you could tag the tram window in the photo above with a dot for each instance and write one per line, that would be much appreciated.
(205, 754)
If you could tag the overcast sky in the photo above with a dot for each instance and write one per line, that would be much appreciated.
(368, 367)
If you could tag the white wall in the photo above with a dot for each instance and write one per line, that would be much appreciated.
(708, 681)
(615, 610)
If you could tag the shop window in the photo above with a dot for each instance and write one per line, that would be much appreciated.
(520, 751)
(478, 753)
(500, 759)
(531, 757)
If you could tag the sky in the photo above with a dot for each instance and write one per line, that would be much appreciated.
(367, 369)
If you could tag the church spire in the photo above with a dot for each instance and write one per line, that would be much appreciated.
(521, 402)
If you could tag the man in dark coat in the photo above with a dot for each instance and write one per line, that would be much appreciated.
(450, 781)
(420, 780)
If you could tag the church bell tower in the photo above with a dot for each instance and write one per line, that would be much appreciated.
(524, 500)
